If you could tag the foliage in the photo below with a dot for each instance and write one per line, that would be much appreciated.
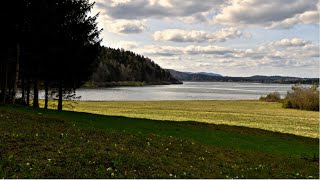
(303, 98)
(46, 42)
(39, 143)
(117, 65)
(272, 97)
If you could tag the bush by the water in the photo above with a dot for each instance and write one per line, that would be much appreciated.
(304, 98)
(272, 97)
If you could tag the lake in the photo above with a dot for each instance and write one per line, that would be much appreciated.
(186, 91)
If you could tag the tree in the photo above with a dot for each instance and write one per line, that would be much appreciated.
(76, 45)
(47, 42)
(10, 47)
(120, 65)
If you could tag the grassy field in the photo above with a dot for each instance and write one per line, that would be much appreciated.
(37, 143)
(254, 114)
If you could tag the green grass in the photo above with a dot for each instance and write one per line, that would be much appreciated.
(37, 143)
(254, 114)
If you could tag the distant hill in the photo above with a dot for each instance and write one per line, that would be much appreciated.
(187, 76)
(209, 74)
(190, 76)
(204, 73)
(119, 67)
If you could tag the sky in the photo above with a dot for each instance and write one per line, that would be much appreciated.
(228, 37)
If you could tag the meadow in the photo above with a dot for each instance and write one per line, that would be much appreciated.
(141, 140)
(254, 114)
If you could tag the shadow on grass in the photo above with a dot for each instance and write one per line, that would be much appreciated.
(226, 136)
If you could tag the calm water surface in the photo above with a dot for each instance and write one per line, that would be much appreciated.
(186, 91)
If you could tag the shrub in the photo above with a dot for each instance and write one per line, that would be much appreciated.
(272, 97)
(303, 98)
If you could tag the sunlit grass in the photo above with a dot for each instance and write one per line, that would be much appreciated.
(254, 114)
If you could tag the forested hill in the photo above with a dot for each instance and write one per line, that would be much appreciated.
(116, 66)
(187, 76)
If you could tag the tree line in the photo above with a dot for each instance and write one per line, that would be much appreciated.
(115, 65)
(185, 76)
(46, 44)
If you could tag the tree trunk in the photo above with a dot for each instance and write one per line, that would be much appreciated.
(60, 97)
(22, 91)
(1, 80)
(28, 93)
(4, 83)
(46, 89)
(16, 76)
(35, 94)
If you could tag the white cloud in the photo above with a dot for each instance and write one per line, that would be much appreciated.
(291, 42)
(161, 3)
(115, 14)
(179, 35)
(127, 45)
(188, 50)
(126, 26)
(216, 50)
(285, 50)
(285, 53)
(115, 2)
(196, 18)
(161, 50)
(309, 17)
(142, 9)
(270, 14)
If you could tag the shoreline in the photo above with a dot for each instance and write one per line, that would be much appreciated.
(144, 84)
(126, 84)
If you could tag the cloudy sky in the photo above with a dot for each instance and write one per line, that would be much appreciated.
(229, 37)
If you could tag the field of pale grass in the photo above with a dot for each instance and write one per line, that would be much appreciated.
(253, 114)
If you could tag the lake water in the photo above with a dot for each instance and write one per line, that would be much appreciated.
(186, 91)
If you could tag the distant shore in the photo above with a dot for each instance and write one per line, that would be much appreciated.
(138, 83)
(126, 84)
